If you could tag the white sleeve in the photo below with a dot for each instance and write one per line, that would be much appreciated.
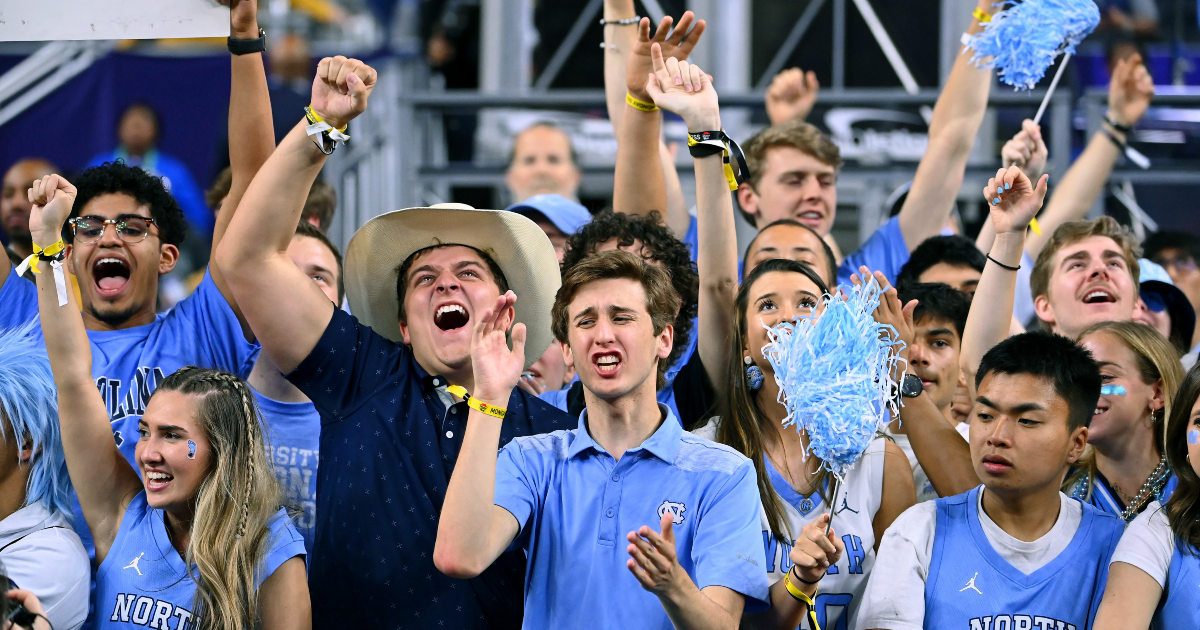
(53, 565)
(1148, 544)
(895, 595)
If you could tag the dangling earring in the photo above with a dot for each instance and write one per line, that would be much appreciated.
(754, 376)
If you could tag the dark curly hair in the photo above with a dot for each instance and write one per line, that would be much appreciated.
(118, 177)
(954, 250)
(658, 245)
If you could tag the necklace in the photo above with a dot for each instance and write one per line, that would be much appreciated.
(1149, 489)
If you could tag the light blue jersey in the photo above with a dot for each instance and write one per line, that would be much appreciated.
(293, 440)
(970, 586)
(143, 582)
(18, 301)
(1179, 608)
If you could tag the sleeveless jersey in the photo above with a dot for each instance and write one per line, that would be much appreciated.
(970, 586)
(143, 582)
(1096, 492)
(855, 506)
(1179, 607)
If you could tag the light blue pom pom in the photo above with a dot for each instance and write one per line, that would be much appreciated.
(1024, 39)
(835, 375)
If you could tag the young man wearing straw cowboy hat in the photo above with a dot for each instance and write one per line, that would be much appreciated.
(390, 383)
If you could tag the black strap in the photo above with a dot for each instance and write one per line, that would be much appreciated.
(248, 46)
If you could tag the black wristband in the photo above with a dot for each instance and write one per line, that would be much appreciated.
(1008, 267)
(1112, 123)
(704, 150)
(1113, 139)
(247, 46)
(800, 579)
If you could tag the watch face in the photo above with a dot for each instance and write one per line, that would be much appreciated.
(911, 387)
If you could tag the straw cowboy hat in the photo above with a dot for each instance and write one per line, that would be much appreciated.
(516, 244)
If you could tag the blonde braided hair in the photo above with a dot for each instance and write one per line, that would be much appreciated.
(225, 551)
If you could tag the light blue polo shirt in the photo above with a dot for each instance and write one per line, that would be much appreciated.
(575, 505)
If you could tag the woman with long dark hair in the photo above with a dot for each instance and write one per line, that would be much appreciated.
(1154, 571)
(795, 489)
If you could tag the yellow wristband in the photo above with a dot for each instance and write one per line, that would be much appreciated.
(317, 118)
(981, 15)
(800, 596)
(642, 105)
(53, 250)
(477, 405)
(1033, 225)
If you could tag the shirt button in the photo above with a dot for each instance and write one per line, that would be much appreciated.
(453, 410)
(609, 512)
(616, 477)
(449, 434)
(437, 383)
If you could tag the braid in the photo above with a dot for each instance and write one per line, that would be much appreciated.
(244, 390)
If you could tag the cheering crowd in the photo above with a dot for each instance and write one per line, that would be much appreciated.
(538, 418)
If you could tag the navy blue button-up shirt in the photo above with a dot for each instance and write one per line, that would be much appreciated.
(388, 447)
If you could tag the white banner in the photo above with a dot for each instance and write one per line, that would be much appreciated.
(46, 20)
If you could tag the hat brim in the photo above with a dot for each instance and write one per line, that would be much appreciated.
(516, 244)
(1183, 316)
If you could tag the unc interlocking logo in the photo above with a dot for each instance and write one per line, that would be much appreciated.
(676, 510)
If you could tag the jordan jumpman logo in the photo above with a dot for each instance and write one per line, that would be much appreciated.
(971, 585)
(134, 564)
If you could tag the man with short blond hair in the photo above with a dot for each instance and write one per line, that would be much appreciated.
(1087, 273)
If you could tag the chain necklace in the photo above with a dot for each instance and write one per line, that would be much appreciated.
(1149, 489)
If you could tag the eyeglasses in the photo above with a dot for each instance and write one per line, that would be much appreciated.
(1180, 265)
(130, 228)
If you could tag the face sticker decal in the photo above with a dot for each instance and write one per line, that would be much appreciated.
(191, 450)
(1193, 437)
(1112, 390)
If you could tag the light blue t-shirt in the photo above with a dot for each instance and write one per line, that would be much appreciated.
(143, 582)
(575, 505)
(293, 440)
(885, 251)
(18, 302)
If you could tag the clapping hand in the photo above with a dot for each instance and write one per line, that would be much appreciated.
(52, 198)
(1026, 150)
(653, 561)
(677, 46)
(791, 95)
(341, 88)
(1013, 199)
(815, 551)
(497, 368)
(683, 89)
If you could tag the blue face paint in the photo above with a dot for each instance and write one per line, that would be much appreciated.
(1112, 390)
(1193, 437)
(191, 450)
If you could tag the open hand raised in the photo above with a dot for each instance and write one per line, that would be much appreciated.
(1013, 199)
(791, 95)
(341, 88)
(496, 368)
(683, 89)
(677, 45)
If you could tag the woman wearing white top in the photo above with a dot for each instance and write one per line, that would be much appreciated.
(1153, 577)
(795, 489)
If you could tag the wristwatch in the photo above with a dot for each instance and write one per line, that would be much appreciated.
(911, 386)
(247, 46)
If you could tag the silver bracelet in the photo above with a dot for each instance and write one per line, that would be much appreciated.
(625, 22)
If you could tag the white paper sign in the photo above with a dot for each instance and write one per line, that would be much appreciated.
(46, 20)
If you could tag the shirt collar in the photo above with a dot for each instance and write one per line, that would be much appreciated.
(663, 444)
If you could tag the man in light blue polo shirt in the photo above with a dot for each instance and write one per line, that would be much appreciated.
(627, 521)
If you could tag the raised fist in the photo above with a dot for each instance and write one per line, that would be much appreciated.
(791, 95)
(341, 88)
(1026, 151)
(1129, 91)
(52, 198)
(1013, 199)
(243, 18)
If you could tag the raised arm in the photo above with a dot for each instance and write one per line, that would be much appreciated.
(1013, 201)
(285, 309)
(103, 479)
(473, 531)
(1129, 94)
(684, 89)
(956, 119)
(640, 183)
(250, 128)
(1027, 151)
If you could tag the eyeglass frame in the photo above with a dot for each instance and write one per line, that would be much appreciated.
(116, 223)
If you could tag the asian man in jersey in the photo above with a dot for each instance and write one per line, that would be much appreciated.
(1014, 552)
